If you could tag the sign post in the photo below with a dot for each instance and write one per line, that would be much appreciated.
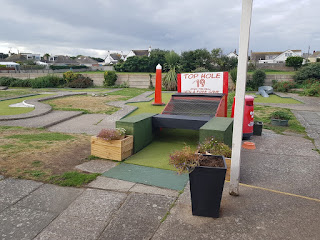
(240, 94)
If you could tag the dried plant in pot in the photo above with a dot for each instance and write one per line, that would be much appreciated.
(206, 175)
(112, 144)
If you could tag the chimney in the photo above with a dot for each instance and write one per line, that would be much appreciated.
(149, 51)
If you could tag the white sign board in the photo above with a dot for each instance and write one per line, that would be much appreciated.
(207, 82)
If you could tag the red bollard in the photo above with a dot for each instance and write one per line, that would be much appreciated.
(157, 94)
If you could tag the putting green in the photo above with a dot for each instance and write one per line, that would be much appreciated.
(157, 153)
(147, 107)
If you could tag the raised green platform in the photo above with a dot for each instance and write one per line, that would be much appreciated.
(140, 126)
(219, 128)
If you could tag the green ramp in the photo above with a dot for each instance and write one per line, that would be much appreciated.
(149, 176)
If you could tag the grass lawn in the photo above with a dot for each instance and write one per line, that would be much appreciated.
(274, 99)
(13, 92)
(6, 110)
(166, 141)
(44, 156)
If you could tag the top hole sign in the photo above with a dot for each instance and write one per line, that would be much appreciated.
(205, 82)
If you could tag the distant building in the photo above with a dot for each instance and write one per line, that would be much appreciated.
(15, 58)
(138, 53)
(60, 60)
(31, 56)
(274, 57)
(315, 55)
(86, 61)
(113, 58)
(233, 54)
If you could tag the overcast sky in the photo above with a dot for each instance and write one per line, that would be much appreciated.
(72, 27)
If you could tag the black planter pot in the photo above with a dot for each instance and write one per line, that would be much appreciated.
(206, 186)
(257, 128)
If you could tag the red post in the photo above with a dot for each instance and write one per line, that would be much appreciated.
(157, 94)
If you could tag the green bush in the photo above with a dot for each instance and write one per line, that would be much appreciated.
(312, 70)
(110, 78)
(200, 69)
(67, 67)
(47, 81)
(258, 78)
(251, 67)
(283, 86)
(70, 76)
(14, 82)
(81, 82)
(280, 115)
(233, 74)
(295, 62)
(312, 90)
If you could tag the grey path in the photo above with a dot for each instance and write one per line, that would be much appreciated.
(93, 123)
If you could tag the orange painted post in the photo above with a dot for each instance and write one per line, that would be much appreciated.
(157, 94)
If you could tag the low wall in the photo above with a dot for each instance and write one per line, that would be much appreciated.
(274, 66)
(139, 80)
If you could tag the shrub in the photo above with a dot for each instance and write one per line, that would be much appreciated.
(80, 82)
(67, 67)
(21, 83)
(233, 74)
(6, 81)
(258, 78)
(312, 90)
(110, 78)
(112, 134)
(251, 67)
(295, 62)
(184, 160)
(214, 147)
(312, 70)
(70, 76)
(283, 86)
(169, 81)
(280, 115)
(46, 81)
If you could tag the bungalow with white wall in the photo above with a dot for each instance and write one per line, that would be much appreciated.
(274, 57)
(233, 54)
(314, 57)
(113, 58)
(138, 53)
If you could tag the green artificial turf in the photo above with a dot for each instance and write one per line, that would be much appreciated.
(275, 99)
(6, 110)
(147, 107)
(166, 141)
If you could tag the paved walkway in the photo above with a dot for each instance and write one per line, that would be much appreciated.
(279, 199)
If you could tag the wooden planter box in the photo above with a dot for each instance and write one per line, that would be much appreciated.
(112, 149)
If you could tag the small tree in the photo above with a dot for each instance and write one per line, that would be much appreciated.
(170, 80)
(110, 78)
(295, 62)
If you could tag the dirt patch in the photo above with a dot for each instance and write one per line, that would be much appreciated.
(211, 161)
(39, 160)
(89, 103)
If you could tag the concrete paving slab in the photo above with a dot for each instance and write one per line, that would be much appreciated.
(50, 198)
(45, 121)
(111, 184)
(1, 177)
(97, 166)
(3, 206)
(141, 188)
(95, 204)
(138, 218)
(12, 190)
(69, 227)
(23, 223)
(294, 174)
(255, 214)
(87, 123)
(273, 143)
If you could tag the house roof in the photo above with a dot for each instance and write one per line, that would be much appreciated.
(85, 60)
(15, 57)
(266, 53)
(64, 60)
(315, 54)
(141, 52)
(116, 56)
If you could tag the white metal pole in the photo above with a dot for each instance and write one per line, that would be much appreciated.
(240, 94)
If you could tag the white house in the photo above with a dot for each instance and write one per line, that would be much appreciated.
(233, 54)
(32, 56)
(138, 53)
(274, 57)
(113, 58)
